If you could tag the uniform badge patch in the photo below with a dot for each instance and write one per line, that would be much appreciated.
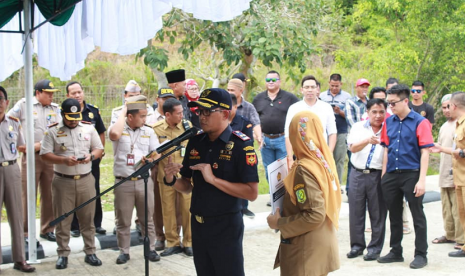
(251, 158)
(248, 148)
(91, 115)
(301, 196)
(215, 165)
(230, 145)
(423, 113)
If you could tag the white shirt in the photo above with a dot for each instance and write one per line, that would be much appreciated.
(361, 131)
(323, 110)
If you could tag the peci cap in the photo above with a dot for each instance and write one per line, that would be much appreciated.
(136, 103)
(362, 82)
(240, 76)
(165, 92)
(132, 86)
(176, 76)
(213, 97)
(71, 108)
(46, 86)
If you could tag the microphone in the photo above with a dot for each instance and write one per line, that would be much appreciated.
(177, 141)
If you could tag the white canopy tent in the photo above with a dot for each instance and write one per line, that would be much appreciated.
(116, 26)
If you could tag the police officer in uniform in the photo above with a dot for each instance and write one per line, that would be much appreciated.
(132, 141)
(10, 182)
(132, 89)
(90, 114)
(71, 146)
(45, 113)
(223, 167)
(171, 127)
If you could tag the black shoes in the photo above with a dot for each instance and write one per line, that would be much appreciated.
(246, 212)
(122, 258)
(159, 245)
(371, 256)
(153, 256)
(171, 250)
(419, 262)
(92, 260)
(24, 267)
(75, 233)
(48, 236)
(100, 230)
(457, 254)
(62, 263)
(390, 258)
(189, 251)
(354, 253)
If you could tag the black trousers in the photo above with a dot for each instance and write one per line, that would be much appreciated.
(365, 192)
(217, 245)
(98, 203)
(395, 186)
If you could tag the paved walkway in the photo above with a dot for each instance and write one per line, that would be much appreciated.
(260, 245)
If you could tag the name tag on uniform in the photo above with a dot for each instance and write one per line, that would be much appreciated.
(130, 159)
(13, 148)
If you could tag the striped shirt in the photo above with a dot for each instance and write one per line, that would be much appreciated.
(354, 110)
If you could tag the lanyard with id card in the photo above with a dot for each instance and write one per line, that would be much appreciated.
(130, 157)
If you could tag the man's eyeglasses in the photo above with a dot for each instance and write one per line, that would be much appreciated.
(417, 91)
(206, 112)
(272, 79)
(307, 87)
(392, 104)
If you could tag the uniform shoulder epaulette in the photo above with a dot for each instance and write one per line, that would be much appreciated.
(52, 125)
(13, 118)
(117, 108)
(91, 105)
(56, 105)
(159, 123)
(86, 122)
(241, 135)
(150, 126)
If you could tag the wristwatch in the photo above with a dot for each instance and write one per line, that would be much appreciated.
(92, 157)
(461, 153)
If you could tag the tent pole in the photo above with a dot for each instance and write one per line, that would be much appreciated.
(31, 188)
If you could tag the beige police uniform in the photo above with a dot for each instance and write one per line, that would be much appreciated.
(44, 116)
(10, 183)
(73, 185)
(139, 143)
(169, 194)
(151, 119)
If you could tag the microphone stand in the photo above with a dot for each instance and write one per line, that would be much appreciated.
(144, 172)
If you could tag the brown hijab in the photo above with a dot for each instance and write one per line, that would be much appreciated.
(312, 152)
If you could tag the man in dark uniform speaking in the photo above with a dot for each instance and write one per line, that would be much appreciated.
(222, 165)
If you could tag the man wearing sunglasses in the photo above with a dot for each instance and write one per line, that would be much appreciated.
(272, 106)
(406, 137)
(424, 109)
(220, 168)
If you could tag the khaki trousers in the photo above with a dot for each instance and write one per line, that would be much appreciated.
(10, 194)
(44, 177)
(128, 195)
(461, 206)
(450, 215)
(67, 194)
(168, 202)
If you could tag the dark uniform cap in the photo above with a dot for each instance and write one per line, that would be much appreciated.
(136, 103)
(71, 109)
(176, 76)
(165, 92)
(45, 85)
(213, 97)
(239, 76)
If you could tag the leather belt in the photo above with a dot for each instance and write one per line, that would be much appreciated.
(273, 136)
(7, 163)
(75, 177)
(366, 171)
(405, 171)
(132, 178)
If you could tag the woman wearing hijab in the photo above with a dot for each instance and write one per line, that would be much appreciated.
(311, 204)
(193, 94)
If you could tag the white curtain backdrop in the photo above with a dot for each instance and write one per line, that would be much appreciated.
(117, 26)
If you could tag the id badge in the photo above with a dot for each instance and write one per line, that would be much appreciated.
(130, 159)
(183, 151)
(13, 148)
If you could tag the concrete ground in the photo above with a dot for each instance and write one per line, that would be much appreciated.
(260, 246)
